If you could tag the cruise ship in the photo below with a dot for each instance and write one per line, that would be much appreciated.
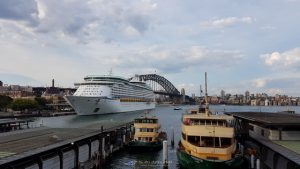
(110, 94)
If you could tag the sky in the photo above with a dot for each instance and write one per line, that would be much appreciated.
(249, 45)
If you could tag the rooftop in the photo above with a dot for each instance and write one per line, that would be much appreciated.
(268, 119)
(291, 145)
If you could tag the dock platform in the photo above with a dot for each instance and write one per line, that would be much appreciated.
(65, 147)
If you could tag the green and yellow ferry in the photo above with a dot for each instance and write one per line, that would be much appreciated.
(207, 141)
(147, 135)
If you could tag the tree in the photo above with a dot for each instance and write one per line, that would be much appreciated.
(5, 101)
(41, 102)
(23, 104)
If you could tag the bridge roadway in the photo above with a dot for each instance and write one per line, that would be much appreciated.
(22, 144)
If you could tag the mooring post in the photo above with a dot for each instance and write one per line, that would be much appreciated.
(252, 161)
(165, 153)
(103, 147)
(242, 149)
(111, 149)
(257, 164)
(172, 141)
(124, 139)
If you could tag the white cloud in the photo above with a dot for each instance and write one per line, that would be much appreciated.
(267, 28)
(82, 20)
(259, 83)
(172, 59)
(225, 22)
(131, 31)
(288, 60)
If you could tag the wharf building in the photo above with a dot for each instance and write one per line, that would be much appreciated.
(272, 138)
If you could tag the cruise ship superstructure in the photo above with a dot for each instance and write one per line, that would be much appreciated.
(110, 94)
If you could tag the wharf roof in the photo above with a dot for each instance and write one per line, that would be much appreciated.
(268, 119)
(285, 148)
(11, 121)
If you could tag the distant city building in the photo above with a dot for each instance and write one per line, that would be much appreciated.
(193, 96)
(16, 91)
(183, 95)
(267, 102)
(222, 94)
(1, 83)
(52, 91)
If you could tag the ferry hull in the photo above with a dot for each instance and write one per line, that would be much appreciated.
(96, 105)
(144, 146)
(187, 161)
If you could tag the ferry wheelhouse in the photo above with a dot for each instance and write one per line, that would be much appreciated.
(147, 134)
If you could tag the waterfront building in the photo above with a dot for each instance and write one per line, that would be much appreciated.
(222, 94)
(275, 137)
(183, 95)
(16, 91)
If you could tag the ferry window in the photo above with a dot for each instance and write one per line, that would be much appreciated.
(208, 122)
(195, 140)
(183, 136)
(214, 122)
(225, 142)
(202, 122)
(207, 141)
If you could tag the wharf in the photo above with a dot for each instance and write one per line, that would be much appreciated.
(12, 124)
(276, 137)
(31, 148)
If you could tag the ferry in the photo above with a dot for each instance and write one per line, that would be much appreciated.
(106, 94)
(147, 135)
(207, 141)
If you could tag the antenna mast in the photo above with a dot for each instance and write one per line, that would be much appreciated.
(206, 99)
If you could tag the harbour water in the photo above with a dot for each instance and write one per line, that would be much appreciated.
(169, 118)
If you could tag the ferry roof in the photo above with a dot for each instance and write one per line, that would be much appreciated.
(148, 118)
(210, 117)
(268, 119)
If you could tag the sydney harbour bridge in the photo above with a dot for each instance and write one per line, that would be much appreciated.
(161, 86)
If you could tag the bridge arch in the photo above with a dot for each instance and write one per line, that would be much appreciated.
(165, 83)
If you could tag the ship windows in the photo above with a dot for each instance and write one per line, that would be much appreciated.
(146, 129)
(226, 142)
(205, 141)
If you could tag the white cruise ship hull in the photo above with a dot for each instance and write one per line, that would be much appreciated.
(96, 105)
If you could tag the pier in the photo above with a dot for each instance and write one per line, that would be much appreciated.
(270, 139)
(41, 148)
(13, 124)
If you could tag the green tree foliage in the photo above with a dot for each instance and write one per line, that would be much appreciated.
(23, 104)
(41, 102)
(5, 101)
